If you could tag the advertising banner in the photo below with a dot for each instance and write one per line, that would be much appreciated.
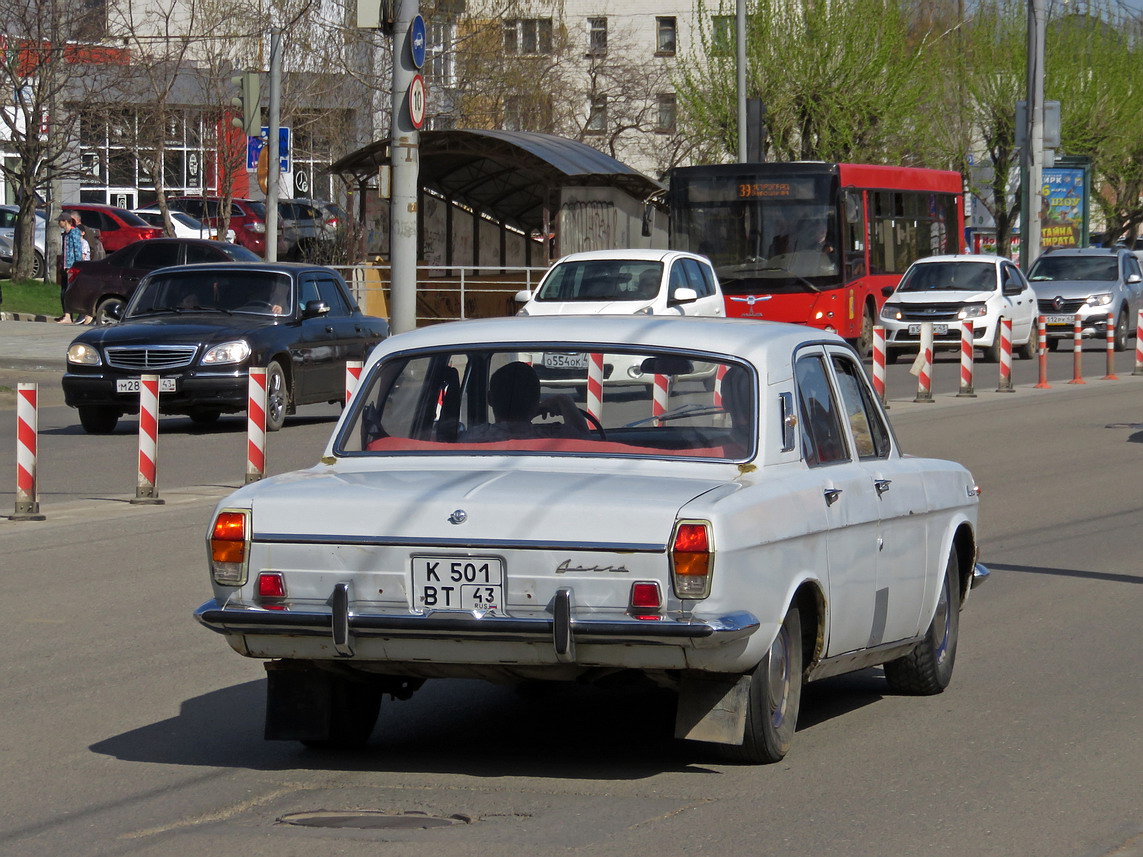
(1062, 207)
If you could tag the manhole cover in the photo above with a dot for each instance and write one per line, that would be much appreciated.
(372, 819)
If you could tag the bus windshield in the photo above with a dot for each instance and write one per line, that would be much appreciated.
(779, 235)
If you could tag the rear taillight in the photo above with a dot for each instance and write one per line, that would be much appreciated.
(230, 547)
(692, 559)
(71, 272)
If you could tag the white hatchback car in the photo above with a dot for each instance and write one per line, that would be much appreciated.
(185, 225)
(467, 521)
(947, 290)
(627, 282)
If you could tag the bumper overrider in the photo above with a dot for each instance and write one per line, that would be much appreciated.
(560, 625)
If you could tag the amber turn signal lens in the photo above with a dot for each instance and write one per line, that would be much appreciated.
(228, 540)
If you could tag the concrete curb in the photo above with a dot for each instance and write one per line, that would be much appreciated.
(23, 316)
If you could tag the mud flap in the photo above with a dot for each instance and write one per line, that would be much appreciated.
(712, 708)
(298, 703)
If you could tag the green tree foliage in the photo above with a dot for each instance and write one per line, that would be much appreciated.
(843, 80)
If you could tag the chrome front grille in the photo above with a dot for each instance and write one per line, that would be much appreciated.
(145, 358)
(931, 312)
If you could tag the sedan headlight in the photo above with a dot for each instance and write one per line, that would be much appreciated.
(227, 352)
(256, 227)
(1103, 299)
(892, 312)
(973, 311)
(83, 354)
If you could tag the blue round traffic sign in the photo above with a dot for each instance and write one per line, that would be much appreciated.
(418, 41)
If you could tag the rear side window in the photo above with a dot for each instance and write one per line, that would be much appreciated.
(155, 255)
(197, 253)
(870, 433)
(331, 293)
(822, 439)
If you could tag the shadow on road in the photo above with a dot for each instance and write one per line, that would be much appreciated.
(560, 731)
(1068, 572)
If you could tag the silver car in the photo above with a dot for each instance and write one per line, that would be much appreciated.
(1093, 284)
(8, 215)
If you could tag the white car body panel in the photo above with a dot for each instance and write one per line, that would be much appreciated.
(583, 527)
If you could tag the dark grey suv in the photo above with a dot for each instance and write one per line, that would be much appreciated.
(1093, 283)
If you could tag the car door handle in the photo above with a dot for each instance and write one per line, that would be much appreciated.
(329, 330)
(882, 485)
(832, 495)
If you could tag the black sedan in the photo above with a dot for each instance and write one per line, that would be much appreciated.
(201, 327)
(102, 287)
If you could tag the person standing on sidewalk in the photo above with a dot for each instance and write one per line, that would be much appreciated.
(72, 253)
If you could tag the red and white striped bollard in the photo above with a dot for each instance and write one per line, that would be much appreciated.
(879, 363)
(595, 385)
(256, 425)
(27, 433)
(1110, 376)
(1004, 331)
(925, 367)
(352, 377)
(719, 375)
(966, 355)
(146, 490)
(660, 393)
(1042, 353)
(1077, 352)
(1139, 345)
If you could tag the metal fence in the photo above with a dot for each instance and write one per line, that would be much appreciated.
(445, 292)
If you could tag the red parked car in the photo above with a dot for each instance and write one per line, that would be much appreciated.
(117, 227)
(247, 218)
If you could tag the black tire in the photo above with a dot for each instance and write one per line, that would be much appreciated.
(1053, 344)
(277, 397)
(928, 668)
(204, 416)
(863, 344)
(892, 355)
(38, 265)
(352, 716)
(1029, 349)
(1121, 332)
(103, 312)
(775, 696)
(98, 419)
(992, 352)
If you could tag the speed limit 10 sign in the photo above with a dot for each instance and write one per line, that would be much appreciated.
(418, 98)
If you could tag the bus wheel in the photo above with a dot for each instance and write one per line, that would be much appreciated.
(864, 343)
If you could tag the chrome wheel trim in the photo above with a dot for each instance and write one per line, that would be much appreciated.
(941, 622)
(778, 677)
(275, 398)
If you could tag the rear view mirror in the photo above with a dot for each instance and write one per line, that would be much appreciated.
(315, 308)
(667, 366)
(522, 296)
(684, 295)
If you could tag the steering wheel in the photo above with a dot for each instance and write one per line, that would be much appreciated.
(594, 423)
(258, 304)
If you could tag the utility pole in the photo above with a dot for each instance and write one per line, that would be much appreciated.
(1032, 156)
(273, 156)
(404, 155)
(740, 47)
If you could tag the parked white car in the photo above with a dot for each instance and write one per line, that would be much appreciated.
(469, 521)
(947, 290)
(185, 225)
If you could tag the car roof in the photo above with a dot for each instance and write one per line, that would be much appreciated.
(767, 344)
(963, 257)
(1084, 251)
(274, 267)
(634, 254)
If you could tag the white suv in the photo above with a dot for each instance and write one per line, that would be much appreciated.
(947, 290)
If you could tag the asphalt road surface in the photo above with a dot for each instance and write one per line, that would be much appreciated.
(127, 729)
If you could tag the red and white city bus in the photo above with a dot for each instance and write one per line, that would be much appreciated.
(811, 242)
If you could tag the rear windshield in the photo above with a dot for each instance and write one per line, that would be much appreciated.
(1075, 268)
(245, 292)
(130, 217)
(949, 276)
(474, 401)
(602, 280)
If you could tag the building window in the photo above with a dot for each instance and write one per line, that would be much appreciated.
(665, 34)
(524, 36)
(513, 115)
(722, 36)
(597, 37)
(666, 123)
(89, 23)
(441, 58)
(597, 118)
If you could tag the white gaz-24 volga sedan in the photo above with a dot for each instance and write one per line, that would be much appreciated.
(468, 520)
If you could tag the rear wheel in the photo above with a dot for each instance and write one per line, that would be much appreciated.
(775, 696)
(928, 668)
(864, 342)
(353, 710)
(204, 416)
(98, 419)
(37, 265)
